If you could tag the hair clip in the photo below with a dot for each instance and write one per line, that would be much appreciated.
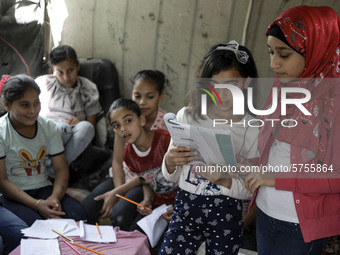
(2, 82)
(241, 55)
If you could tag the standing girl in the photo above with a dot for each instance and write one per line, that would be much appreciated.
(71, 101)
(204, 211)
(148, 93)
(26, 142)
(296, 214)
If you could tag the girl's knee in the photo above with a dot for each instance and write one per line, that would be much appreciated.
(76, 212)
(121, 221)
(86, 127)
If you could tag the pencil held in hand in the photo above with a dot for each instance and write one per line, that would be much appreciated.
(131, 201)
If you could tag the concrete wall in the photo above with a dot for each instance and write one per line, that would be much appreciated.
(170, 35)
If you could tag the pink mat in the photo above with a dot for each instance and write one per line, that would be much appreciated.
(128, 243)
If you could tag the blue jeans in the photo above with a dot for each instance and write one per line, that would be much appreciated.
(276, 237)
(75, 139)
(10, 235)
(71, 207)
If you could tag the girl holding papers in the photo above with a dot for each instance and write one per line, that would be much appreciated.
(204, 211)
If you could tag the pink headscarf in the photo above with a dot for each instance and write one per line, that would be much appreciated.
(313, 31)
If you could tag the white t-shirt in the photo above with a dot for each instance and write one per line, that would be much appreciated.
(278, 204)
(245, 143)
(25, 158)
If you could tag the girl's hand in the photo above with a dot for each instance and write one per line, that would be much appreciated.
(178, 156)
(255, 180)
(72, 121)
(50, 208)
(54, 203)
(142, 209)
(168, 215)
(110, 199)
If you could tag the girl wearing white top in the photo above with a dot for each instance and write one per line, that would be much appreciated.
(205, 211)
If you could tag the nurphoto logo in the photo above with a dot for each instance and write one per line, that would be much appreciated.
(238, 99)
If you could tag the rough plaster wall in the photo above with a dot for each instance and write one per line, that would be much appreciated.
(170, 35)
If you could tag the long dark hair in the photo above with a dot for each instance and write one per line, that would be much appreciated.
(155, 76)
(122, 103)
(215, 61)
(62, 53)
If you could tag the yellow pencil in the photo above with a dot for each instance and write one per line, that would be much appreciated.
(131, 201)
(63, 235)
(79, 245)
(99, 230)
(86, 248)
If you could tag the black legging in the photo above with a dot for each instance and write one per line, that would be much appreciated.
(123, 214)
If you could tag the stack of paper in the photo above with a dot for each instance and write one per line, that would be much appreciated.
(44, 228)
(154, 224)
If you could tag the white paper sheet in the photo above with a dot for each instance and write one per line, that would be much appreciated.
(154, 224)
(39, 247)
(71, 229)
(90, 233)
